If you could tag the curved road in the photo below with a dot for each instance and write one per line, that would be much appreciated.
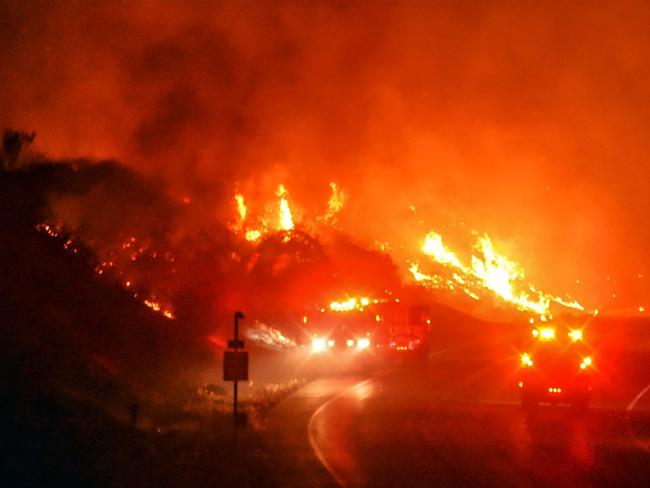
(454, 425)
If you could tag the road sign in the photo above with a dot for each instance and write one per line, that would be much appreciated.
(235, 366)
(236, 344)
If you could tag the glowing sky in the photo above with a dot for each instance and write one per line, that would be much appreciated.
(525, 120)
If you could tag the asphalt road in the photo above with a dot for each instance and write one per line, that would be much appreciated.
(454, 424)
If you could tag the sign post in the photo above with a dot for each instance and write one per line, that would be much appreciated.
(235, 368)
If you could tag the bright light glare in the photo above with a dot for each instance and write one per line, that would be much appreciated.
(575, 335)
(585, 362)
(318, 345)
(344, 306)
(546, 334)
(363, 343)
(330, 343)
(526, 360)
(349, 343)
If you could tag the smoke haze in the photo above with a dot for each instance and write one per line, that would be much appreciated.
(522, 120)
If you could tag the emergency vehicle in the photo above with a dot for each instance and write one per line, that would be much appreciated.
(556, 366)
(364, 325)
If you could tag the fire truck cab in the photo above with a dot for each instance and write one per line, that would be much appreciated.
(402, 328)
(556, 366)
(364, 325)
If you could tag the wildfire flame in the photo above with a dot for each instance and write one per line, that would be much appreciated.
(434, 247)
(265, 335)
(241, 209)
(335, 203)
(489, 271)
(253, 228)
(127, 251)
(285, 216)
(253, 235)
(350, 304)
(157, 307)
(486, 270)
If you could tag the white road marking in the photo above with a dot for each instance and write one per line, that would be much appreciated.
(637, 398)
(311, 429)
(643, 444)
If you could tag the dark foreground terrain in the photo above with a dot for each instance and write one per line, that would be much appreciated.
(80, 359)
(50, 442)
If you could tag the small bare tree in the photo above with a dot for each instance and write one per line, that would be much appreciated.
(13, 142)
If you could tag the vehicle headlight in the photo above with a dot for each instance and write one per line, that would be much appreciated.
(547, 334)
(586, 362)
(349, 343)
(575, 335)
(318, 344)
(526, 360)
(363, 343)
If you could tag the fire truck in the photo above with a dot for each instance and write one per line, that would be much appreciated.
(556, 366)
(367, 325)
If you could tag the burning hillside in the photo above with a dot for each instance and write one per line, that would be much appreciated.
(491, 272)
(424, 169)
(460, 117)
(271, 258)
(160, 250)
